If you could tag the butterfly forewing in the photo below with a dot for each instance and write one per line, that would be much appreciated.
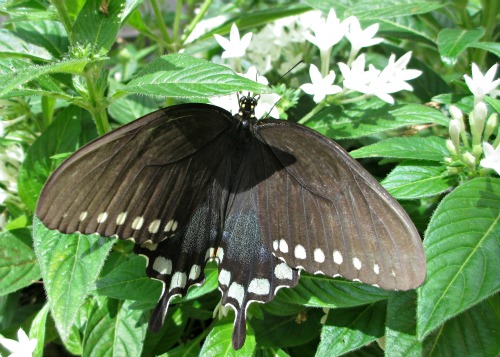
(324, 213)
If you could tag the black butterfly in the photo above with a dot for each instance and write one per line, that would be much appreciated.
(264, 198)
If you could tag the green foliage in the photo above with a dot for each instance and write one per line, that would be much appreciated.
(70, 70)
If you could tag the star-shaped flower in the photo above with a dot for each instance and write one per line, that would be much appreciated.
(320, 87)
(361, 38)
(234, 47)
(491, 157)
(327, 32)
(24, 347)
(480, 85)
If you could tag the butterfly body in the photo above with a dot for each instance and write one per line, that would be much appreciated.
(264, 198)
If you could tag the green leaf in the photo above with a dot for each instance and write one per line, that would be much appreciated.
(14, 79)
(493, 47)
(431, 148)
(472, 333)
(401, 330)
(495, 103)
(190, 349)
(70, 265)
(48, 34)
(452, 42)
(371, 118)
(18, 264)
(321, 291)
(181, 75)
(407, 27)
(417, 179)
(129, 281)
(169, 335)
(462, 247)
(219, 340)
(113, 329)
(98, 28)
(13, 46)
(129, 108)
(348, 329)
(62, 136)
(37, 330)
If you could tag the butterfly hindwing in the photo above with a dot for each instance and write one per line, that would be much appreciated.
(324, 213)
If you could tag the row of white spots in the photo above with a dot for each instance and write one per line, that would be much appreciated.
(319, 255)
(137, 223)
(164, 266)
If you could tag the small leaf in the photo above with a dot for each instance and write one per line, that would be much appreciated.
(13, 46)
(371, 118)
(169, 335)
(129, 108)
(37, 330)
(431, 148)
(493, 47)
(462, 249)
(181, 75)
(51, 35)
(348, 329)
(18, 265)
(452, 42)
(401, 330)
(70, 265)
(417, 179)
(219, 341)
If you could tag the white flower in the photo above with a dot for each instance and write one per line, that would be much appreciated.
(491, 157)
(361, 38)
(480, 85)
(205, 26)
(234, 47)
(327, 32)
(266, 102)
(396, 73)
(320, 87)
(24, 347)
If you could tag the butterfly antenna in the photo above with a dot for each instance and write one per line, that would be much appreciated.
(283, 75)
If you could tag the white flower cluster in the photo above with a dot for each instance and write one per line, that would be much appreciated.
(23, 347)
(481, 128)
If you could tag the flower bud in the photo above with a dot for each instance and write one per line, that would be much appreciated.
(455, 133)
(469, 160)
(456, 113)
(451, 148)
(476, 120)
(491, 125)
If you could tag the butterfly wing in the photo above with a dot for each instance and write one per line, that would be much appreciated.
(326, 214)
(154, 181)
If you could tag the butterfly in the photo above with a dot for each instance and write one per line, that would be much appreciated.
(264, 198)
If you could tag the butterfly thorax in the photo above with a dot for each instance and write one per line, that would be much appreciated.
(245, 119)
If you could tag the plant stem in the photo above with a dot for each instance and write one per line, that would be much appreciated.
(313, 112)
(189, 28)
(177, 21)
(160, 22)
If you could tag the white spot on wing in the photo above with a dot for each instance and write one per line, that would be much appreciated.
(149, 245)
(210, 253)
(137, 223)
(300, 252)
(83, 215)
(283, 271)
(178, 280)
(259, 286)
(337, 257)
(168, 226)
(376, 269)
(357, 263)
(224, 277)
(393, 273)
(220, 254)
(174, 225)
(283, 246)
(275, 244)
(319, 256)
(237, 292)
(162, 265)
(120, 219)
(102, 217)
(195, 272)
(154, 226)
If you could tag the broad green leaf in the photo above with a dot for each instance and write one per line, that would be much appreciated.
(348, 329)
(129, 108)
(98, 27)
(462, 247)
(286, 331)
(48, 34)
(181, 75)
(219, 340)
(401, 330)
(61, 136)
(12, 81)
(452, 42)
(13, 46)
(169, 334)
(474, 332)
(493, 47)
(37, 330)
(18, 264)
(129, 281)
(321, 291)
(431, 148)
(372, 118)
(70, 265)
(408, 27)
(417, 179)
(113, 329)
